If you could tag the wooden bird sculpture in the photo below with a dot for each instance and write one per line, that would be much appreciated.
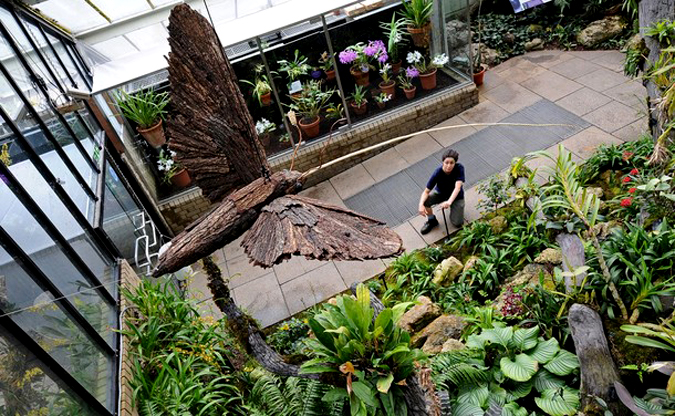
(214, 137)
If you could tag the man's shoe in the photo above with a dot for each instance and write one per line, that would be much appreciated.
(428, 226)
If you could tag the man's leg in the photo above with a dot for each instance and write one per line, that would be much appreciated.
(433, 199)
(457, 212)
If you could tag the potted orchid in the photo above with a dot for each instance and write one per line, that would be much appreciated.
(326, 61)
(173, 171)
(382, 98)
(405, 80)
(388, 84)
(359, 56)
(308, 105)
(417, 16)
(394, 33)
(427, 72)
(359, 102)
(263, 127)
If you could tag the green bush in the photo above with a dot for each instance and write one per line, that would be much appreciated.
(289, 335)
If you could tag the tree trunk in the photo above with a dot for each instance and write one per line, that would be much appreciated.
(650, 12)
(235, 214)
(249, 335)
(598, 371)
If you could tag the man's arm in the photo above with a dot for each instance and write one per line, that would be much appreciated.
(421, 209)
(453, 196)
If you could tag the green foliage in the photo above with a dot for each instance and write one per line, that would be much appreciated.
(477, 235)
(261, 83)
(633, 63)
(394, 33)
(508, 367)
(359, 95)
(416, 13)
(145, 108)
(311, 100)
(372, 354)
(289, 336)
(496, 192)
(663, 31)
(180, 363)
(294, 68)
(273, 396)
(543, 305)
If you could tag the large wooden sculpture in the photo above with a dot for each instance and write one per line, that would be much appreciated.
(213, 135)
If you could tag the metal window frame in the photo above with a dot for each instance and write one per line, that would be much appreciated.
(63, 378)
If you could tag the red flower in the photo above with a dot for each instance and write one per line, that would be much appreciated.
(632, 190)
(626, 179)
(634, 171)
(626, 202)
(627, 155)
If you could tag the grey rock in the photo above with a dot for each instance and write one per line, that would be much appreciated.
(600, 31)
(535, 44)
(434, 335)
(470, 263)
(549, 256)
(452, 345)
(419, 315)
(498, 224)
(446, 272)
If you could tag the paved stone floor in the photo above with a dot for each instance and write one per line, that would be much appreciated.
(587, 84)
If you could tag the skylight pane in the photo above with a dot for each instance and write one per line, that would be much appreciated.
(149, 36)
(245, 7)
(119, 9)
(115, 48)
(223, 11)
(75, 15)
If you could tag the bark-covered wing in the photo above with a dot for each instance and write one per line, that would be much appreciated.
(295, 225)
(209, 126)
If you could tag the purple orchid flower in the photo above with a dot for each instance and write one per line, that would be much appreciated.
(411, 72)
(348, 56)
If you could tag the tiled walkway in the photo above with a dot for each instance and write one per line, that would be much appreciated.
(586, 89)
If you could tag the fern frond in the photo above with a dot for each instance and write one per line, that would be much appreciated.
(458, 368)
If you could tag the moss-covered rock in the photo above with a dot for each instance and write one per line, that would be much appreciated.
(446, 272)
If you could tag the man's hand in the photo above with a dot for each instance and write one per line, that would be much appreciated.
(422, 211)
(446, 205)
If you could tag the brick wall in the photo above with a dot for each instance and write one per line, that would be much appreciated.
(181, 210)
(129, 280)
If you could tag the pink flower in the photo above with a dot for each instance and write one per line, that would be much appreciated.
(632, 190)
(411, 72)
(626, 179)
(626, 202)
(348, 56)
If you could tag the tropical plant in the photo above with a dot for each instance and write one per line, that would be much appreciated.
(289, 336)
(416, 59)
(633, 62)
(417, 13)
(167, 164)
(504, 367)
(261, 83)
(394, 33)
(326, 61)
(360, 54)
(386, 74)
(273, 396)
(565, 192)
(145, 108)
(296, 68)
(478, 236)
(545, 307)
(373, 354)
(496, 192)
(264, 126)
(180, 360)
(405, 78)
(663, 31)
(382, 97)
(311, 101)
(334, 111)
(359, 95)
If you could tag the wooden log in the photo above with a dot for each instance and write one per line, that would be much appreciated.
(573, 257)
(598, 371)
(235, 214)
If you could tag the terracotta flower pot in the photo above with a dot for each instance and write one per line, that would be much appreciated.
(420, 35)
(381, 105)
(310, 129)
(478, 76)
(428, 80)
(266, 99)
(153, 135)
(330, 75)
(396, 67)
(181, 178)
(389, 88)
(361, 78)
(410, 94)
(359, 109)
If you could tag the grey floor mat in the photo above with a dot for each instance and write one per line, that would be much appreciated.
(484, 153)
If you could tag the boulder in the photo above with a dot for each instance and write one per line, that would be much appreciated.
(596, 190)
(600, 31)
(434, 335)
(529, 274)
(549, 256)
(498, 224)
(572, 250)
(470, 263)
(535, 28)
(535, 44)
(488, 56)
(602, 230)
(446, 272)
(452, 345)
(510, 38)
(419, 315)
(458, 34)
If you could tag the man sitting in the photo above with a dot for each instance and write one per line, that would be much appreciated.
(446, 182)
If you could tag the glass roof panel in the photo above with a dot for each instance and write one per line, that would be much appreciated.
(250, 6)
(119, 9)
(148, 37)
(223, 11)
(75, 15)
(115, 48)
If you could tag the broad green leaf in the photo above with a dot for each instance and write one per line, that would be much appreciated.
(522, 369)
(648, 342)
(341, 330)
(475, 342)
(637, 329)
(545, 380)
(524, 339)
(558, 402)
(335, 394)
(321, 335)
(384, 321)
(563, 363)
(357, 407)
(398, 349)
(500, 336)
(312, 369)
(512, 409)
(545, 351)
(387, 401)
(467, 409)
(384, 383)
(364, 392)
(399, 309)
(521, 390)
(476, 395)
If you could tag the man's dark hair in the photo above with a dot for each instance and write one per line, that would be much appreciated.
(450, 153)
